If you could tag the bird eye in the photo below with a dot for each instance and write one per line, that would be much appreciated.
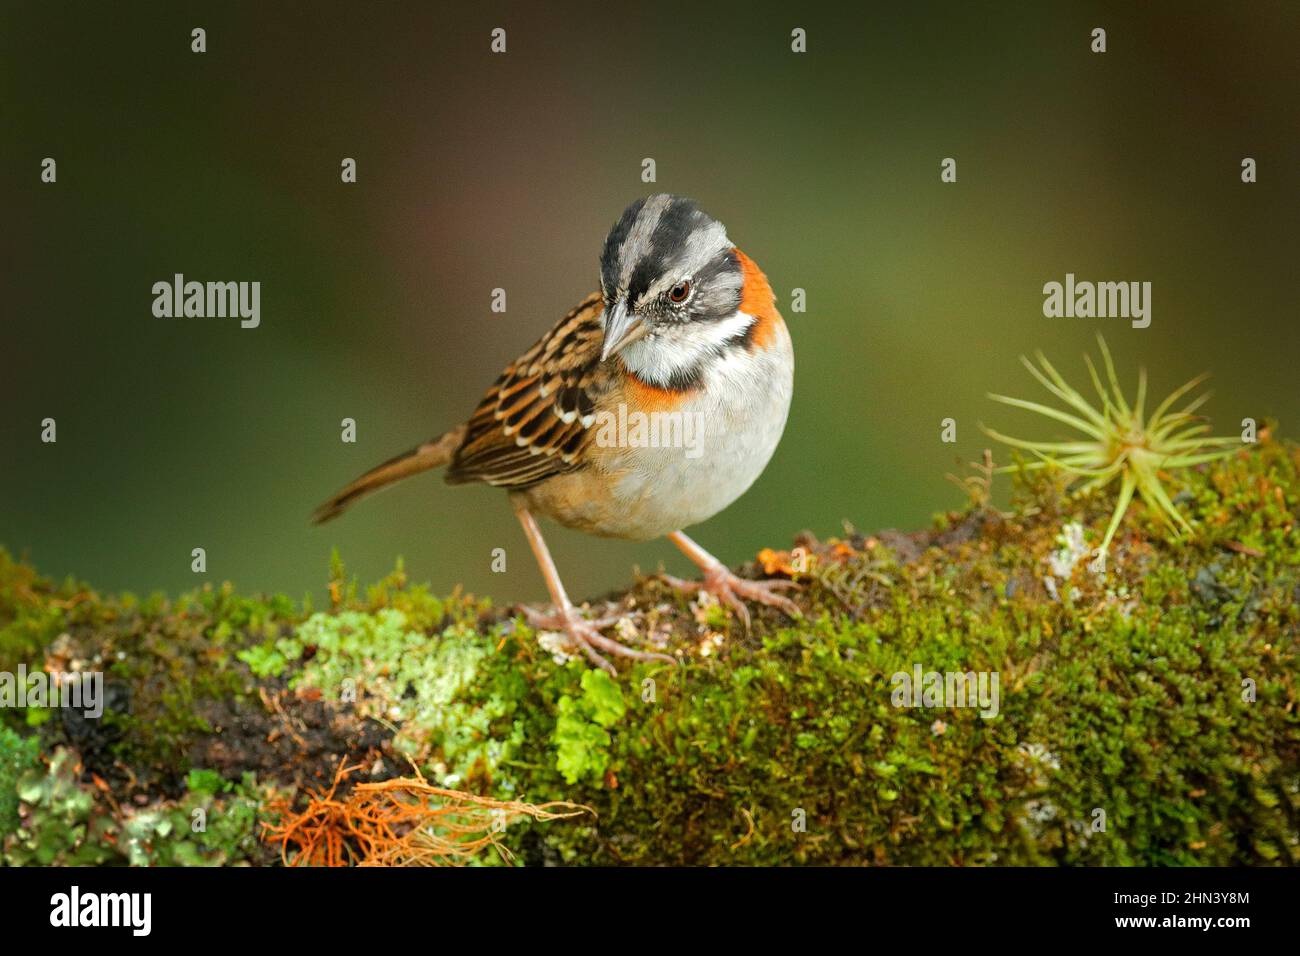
(679, 292)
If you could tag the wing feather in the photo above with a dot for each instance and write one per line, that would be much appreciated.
(535, 420)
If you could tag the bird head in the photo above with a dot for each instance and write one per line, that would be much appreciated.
(672, 283)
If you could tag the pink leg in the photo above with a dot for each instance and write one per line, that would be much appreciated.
(565, 616)
(727, 587)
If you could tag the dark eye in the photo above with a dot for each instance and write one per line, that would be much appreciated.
(679, 292)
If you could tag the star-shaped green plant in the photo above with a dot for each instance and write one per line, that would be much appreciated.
(1122, 441)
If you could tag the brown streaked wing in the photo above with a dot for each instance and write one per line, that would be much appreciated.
(535, 420)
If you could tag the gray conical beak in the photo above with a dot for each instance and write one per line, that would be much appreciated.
(621, 328)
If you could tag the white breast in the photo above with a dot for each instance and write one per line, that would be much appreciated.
(736, 421)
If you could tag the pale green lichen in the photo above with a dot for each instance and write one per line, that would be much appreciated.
(62, 822)
(1129, 698)
(411, 681)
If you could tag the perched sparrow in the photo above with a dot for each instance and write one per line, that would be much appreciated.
(650, 407)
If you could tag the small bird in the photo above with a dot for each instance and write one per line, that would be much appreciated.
(683, 339)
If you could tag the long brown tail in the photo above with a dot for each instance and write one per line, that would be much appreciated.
(429, 455)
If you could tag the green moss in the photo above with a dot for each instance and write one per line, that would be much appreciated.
(61, 822)
(32, 613)
(1156, 695)
(17, 756)
(65, 822)
(581, 739)
(424, 685)
(214, 824)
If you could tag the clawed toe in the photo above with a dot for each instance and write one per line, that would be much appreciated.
(585, 635)
(733, 591)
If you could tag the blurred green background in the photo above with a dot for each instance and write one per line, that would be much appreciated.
(478, 171)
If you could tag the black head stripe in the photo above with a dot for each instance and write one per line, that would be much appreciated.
(647, 269)
(675, 218)
(675, 225)
(611, 267)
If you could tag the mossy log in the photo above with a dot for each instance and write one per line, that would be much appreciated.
(1146, 712)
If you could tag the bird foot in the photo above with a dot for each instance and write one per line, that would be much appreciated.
(733, 590)
(586, 636)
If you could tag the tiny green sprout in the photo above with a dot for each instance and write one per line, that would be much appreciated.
(1122, 441)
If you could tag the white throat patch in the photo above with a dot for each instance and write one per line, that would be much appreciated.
(675, 351)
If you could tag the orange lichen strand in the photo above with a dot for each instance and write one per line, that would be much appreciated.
(400, 822)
